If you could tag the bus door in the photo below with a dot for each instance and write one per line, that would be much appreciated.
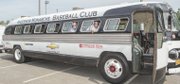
(160, 59)
(143, 41)
(146, 42)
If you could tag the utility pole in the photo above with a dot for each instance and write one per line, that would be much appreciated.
(39, 7)
(46, 3)
(57, 10)
(77, 8)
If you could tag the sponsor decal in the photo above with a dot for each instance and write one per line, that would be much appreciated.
(53, 46)
(58, 17)
(98, 46)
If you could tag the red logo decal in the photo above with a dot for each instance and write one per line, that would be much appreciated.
(90, 46)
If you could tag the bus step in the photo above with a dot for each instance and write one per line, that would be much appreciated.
(147, 58)
(147, 69)
(148, 64)
(146, 72)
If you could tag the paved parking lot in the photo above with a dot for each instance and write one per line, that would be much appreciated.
(47, 72)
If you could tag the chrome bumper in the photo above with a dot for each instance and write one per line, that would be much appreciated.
(174, 70)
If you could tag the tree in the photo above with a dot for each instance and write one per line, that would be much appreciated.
(4, 22)
(178, 14)
(7, 22)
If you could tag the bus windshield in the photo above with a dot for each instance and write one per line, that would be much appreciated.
(176, 24)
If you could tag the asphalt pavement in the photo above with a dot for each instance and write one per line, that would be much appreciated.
(48, 72)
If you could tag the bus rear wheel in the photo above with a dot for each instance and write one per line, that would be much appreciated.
(114, 68)
(18, 55)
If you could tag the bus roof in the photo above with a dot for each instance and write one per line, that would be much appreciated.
(75, 14)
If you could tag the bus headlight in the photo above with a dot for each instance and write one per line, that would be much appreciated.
(173, 54)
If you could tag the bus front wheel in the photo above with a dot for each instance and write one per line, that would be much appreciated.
(18, 55)
(114, 68)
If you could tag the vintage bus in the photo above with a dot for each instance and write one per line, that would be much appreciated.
(119, 39)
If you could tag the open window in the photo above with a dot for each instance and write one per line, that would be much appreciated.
(116, 24)
(86, 25)
(90, 26)
(27, 29)
(70, 27)
(53, 28)
(18, 30)
(39, 28)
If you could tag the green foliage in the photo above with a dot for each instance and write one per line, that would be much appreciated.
(178, 14)
(4, 22)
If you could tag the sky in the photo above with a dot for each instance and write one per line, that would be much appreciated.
(12, 9)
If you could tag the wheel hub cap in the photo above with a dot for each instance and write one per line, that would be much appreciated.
(113, 68)
(17, 54)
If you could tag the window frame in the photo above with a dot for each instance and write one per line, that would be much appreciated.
(11, 28)
(30, 31)
(20, 30)
(83, 23)
(63, 24)
(106, 22)
(160, 22)
(40, 29)
(56, 27)
(93, 23)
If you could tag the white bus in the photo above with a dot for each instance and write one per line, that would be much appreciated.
(119, 39)
(2, 28)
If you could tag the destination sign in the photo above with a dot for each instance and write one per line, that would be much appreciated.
(83, 14)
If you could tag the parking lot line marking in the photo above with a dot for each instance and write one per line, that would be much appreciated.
(9, 66)
(50, 74)
(131, 79)
(2, 61)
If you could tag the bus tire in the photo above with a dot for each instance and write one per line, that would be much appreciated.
(114, 68)
(19, 56)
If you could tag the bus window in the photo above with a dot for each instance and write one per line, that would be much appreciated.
(18, 30)
(166, 17)
(90, 26)
(27, 29)
(8, 31)
(39, 28)
(145, 17)
(160, 21)
(123, 24)
(176, 23)
(116, 24)
(53, 28)
(112, 24)
(85, 27)
(70, 26)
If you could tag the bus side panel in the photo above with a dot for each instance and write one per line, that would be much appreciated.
(162, 62)
(87, 45)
